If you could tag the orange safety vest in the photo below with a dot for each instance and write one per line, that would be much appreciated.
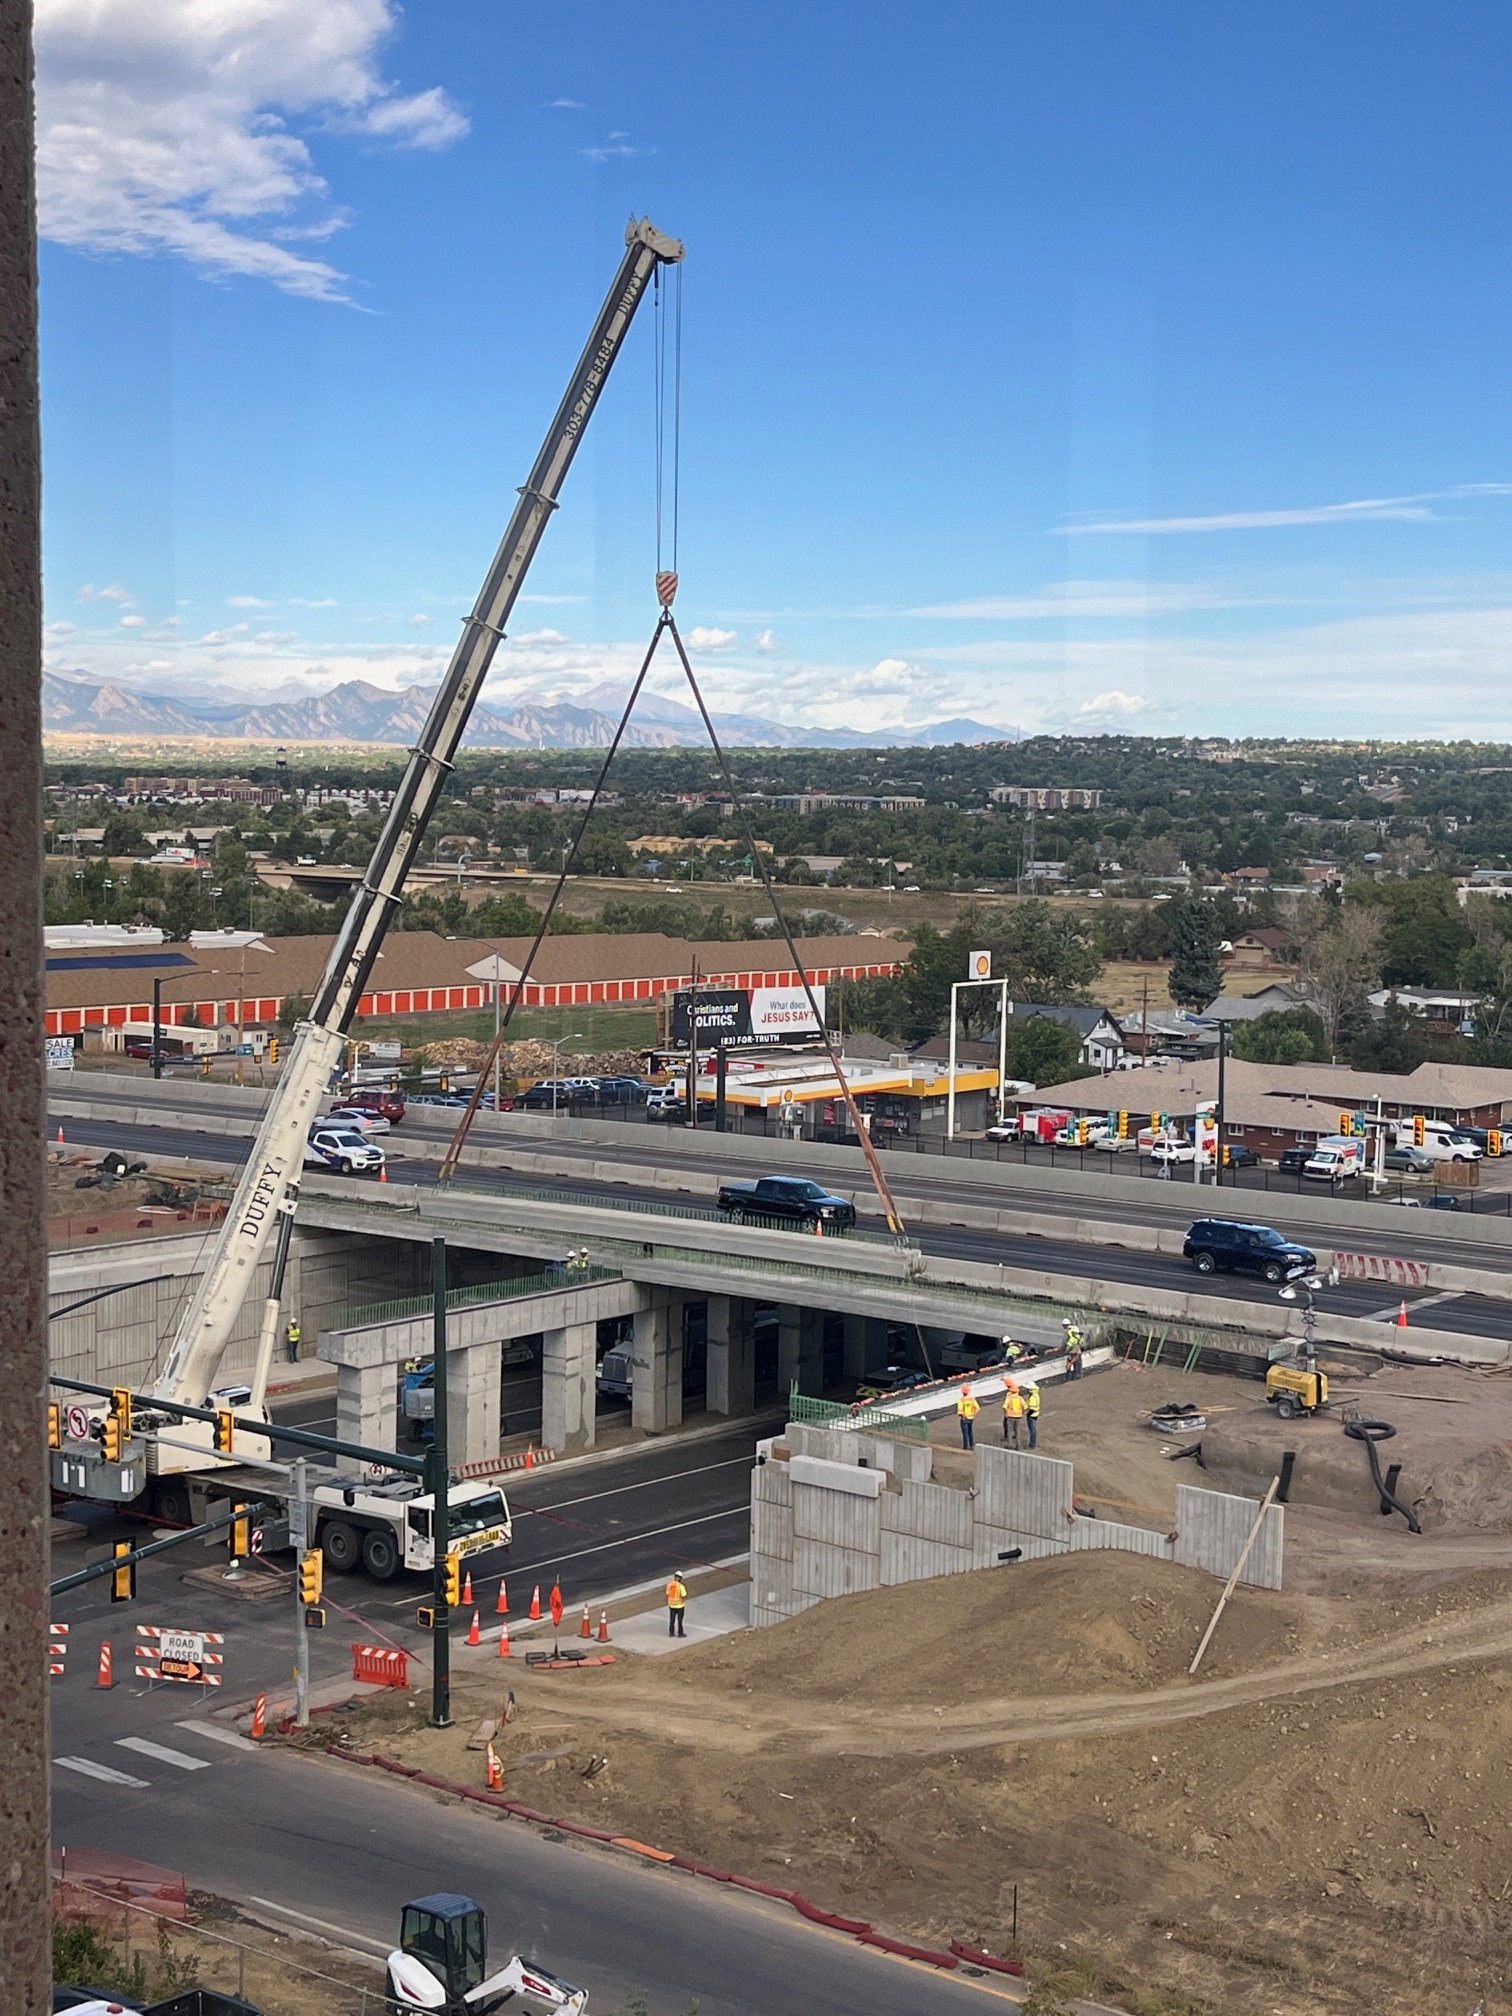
(677, 1595)
(968, 1406)
(1014, 1405)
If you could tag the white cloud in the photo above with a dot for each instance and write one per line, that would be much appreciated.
(566, 105)
(1360, 510)
(1087, 598)
(133, 622)
(419, 621)
(247, 602)
(61, 630)
(163, 126)
(617, 148)
(228, 636)
(767, 641)
(701, 638)
(276, 637)
(325, 602)
(1113, 706)
(114, 593)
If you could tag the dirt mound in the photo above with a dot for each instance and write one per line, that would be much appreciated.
(530, 1059)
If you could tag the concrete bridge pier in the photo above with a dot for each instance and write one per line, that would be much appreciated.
(731, 1376)
(865, 1346)
(366, 1405)
(656, 1391)
(800, 1349)
(569, 1396)
(472, 1401)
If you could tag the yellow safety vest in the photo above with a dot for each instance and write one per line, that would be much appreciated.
(1013, 1405)
(968, 1407)
(1034, 1399)
(294, 1333)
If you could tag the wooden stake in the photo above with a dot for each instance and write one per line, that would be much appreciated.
(1228, 1587)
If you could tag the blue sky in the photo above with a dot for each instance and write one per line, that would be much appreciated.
(1088, 368)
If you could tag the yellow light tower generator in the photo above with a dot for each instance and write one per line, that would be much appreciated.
(1294, 1390)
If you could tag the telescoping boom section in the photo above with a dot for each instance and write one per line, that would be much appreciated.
(274, 1166)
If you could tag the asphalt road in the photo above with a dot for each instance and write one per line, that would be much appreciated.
(1472, 1315)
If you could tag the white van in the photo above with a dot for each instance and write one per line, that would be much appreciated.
(1335, 1158)
(1439, 1140)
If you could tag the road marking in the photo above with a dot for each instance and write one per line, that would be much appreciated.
(1423, 1302)
(162, 1753)
(643, 1484)
(87, 1768)
(226, 1736)
(342, 1932)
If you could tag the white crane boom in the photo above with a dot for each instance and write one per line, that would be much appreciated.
(277, 1159)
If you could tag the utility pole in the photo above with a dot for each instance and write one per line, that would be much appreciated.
(440, 1514)
(157, 1026)
(1218, 1115)
(299, 1535)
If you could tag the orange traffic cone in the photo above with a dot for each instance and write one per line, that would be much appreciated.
(504, 1651)
(530, 1459)
(603, 1636)
(106, 1675)
(501, 1608)
(467, 1595)
(535, 1602)
(495, 1771)
(585, 1629)
(259, 1717)
(60, 1136)
(383, 1172)
(474, 1635)
(1401, 1322)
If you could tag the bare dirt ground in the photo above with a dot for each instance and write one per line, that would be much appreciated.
(1317, 1825)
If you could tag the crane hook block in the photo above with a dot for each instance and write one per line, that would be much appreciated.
(668, 250)
(666, 589)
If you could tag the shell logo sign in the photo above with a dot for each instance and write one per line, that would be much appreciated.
(979, 966)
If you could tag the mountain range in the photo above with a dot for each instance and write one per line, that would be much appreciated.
(73, 703)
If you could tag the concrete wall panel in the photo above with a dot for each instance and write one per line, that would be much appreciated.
(772, 1584)
(771, 1531)
(991, 1541)
(772, 1483)
(820, 1570)
(1028, 1494)
(906, 1558)
(1086, 1533)
(1212, 1528)
(929, 1512)
(835, 1519)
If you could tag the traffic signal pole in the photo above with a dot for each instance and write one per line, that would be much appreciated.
(440, 1515)
(299, 1534)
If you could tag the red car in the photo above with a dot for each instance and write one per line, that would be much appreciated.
(389, 1104)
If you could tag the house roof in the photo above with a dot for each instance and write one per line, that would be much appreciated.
(1271, 1094)
(1082, 1020)
(652, 955)
(1271, 936)
(1281, 994)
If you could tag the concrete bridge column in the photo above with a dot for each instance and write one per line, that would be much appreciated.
(800, 1349)
(732, 1355)
(366, 1405)
(569, 1400)
(472, 1403)
(656, 1392)
(865, 1345)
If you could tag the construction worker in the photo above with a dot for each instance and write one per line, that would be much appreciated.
(1073, 1348)
(677, 1601)
(1032, 1415)
(291, 1340)
(1014, 1409)
(967, 1409)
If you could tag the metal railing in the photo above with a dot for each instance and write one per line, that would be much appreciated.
(550, 1282)
(870, 1420)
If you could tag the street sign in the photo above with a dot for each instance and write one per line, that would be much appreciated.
(257, 1539)
(77, 1420)
(178, 1655)
(60, 1053)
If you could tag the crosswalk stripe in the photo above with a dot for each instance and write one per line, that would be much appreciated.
(87, 1768)
(162, 1753)
(214, 1730)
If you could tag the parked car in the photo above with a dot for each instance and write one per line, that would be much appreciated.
(550, 1095)
(622, 1091)
(973, 1354)
(1294, 1160)
(1226, 1246)
(342, 1148)
(1241, 1157)
(1172, 1151)
(792, 1199)
(892, 1379)
(369, 1099)
(360, 1117)
(1003, 1130)
(1409, 1161)
(1335, 1161)
(1117, 1144)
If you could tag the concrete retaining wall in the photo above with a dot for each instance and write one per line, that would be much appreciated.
(814, 1537)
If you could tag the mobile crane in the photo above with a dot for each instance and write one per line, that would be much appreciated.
(94, 1458)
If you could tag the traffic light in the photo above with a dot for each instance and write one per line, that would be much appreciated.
(1419, 1130)
(55, 1418)
(1494, 1141)
(1083, 1129)
(117, 1425)
(123, 1575)
(454, 1581)
(225, 1431)
(445, 1081)
(1346, 1123)
(311, 1577)
(1123, 1126)
(273, 1050)
(1228, 1155)
(241, 1534)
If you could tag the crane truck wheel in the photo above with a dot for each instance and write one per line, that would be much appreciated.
(380, 1556)
(340, 1547)
(171, 1505)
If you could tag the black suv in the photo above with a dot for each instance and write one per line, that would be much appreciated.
(1291, 1160)
(1215, 1244)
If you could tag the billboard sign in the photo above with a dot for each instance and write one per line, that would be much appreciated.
(736, 1018)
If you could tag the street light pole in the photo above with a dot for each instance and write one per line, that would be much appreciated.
(157, 1026)
(440, 1510)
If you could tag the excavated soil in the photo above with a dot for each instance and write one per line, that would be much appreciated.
(1318, 1824)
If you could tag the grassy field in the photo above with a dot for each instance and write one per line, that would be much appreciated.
(590, 1029)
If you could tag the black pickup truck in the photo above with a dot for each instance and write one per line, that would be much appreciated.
(793, 1200)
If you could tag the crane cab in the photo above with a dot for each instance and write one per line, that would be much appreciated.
(448, 1935)
(1293, 1390)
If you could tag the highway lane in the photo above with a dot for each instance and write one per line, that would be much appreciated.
(1472, 1315)
(932, 1176)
